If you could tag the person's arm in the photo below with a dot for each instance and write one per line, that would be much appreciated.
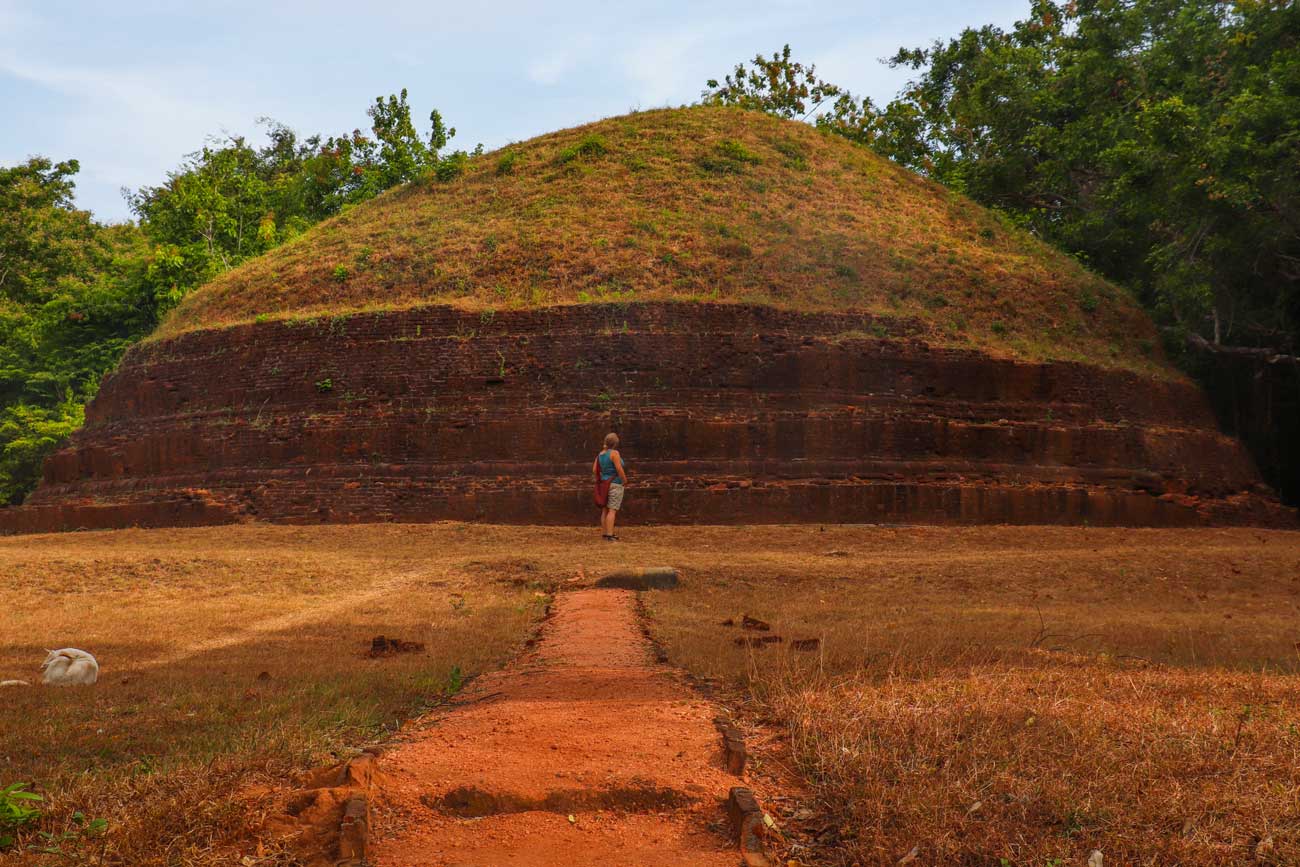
(595, 468)
(618, 465)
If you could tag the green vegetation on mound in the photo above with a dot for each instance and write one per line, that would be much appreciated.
(704, 203)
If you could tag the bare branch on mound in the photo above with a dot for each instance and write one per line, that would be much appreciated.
(1265, 354)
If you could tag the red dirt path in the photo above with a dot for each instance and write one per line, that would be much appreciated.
(586, 726)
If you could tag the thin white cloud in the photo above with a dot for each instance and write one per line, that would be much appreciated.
(153, 110)
(14, 22)
(129, 125)
(140, 92)
(552, 68)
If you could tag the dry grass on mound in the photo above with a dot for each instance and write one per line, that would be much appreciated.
(1023, 696)
(693, 204)
(230, 657)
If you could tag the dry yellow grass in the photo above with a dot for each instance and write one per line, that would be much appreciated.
(185, 622)
(1035, 760)
(926, 698)
(1024, 696)
(690, 204)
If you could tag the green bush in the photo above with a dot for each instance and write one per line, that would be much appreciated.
(727, 158)
(793, 153)
(29, 434)
(506, 163)
(17, 808)
(451, 166)
(589, 147)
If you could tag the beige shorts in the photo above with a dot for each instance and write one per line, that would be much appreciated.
(615, 501)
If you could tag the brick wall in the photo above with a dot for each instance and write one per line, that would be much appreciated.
(728, 414)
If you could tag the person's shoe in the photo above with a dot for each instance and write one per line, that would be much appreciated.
(608, 538)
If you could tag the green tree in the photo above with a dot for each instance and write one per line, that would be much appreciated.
(74, 294)
(231, 201)
(1157, 140)
(43, 238)
(73, 299)
(776, 85)
(404, 156)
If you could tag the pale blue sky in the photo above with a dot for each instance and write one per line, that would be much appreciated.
(129, 87)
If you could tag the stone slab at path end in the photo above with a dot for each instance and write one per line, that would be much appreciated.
(585, 727)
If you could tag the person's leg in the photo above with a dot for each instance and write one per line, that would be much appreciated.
(615, 503)
(604, 522)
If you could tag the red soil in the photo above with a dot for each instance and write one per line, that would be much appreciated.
(582, 753)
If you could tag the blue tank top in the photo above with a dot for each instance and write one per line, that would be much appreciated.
(607, 469)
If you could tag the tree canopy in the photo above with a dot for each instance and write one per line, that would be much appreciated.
(1156, 140)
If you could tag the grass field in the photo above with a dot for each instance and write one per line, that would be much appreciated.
(230, 657)
(1127, 690)
(1022, 696)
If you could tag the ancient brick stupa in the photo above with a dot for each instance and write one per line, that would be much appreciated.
(781, 325)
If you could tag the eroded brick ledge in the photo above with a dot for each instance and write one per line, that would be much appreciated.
(730, 414)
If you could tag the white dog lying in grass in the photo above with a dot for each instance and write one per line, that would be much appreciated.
(69, 667)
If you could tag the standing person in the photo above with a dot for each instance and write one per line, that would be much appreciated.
(608, 467)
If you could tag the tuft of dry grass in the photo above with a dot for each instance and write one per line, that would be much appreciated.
(701, 203)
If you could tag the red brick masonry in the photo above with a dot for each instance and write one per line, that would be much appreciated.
(729, 414)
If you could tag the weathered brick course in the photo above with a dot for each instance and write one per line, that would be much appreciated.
(728, 414)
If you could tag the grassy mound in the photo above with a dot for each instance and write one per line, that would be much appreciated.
(692, 204)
